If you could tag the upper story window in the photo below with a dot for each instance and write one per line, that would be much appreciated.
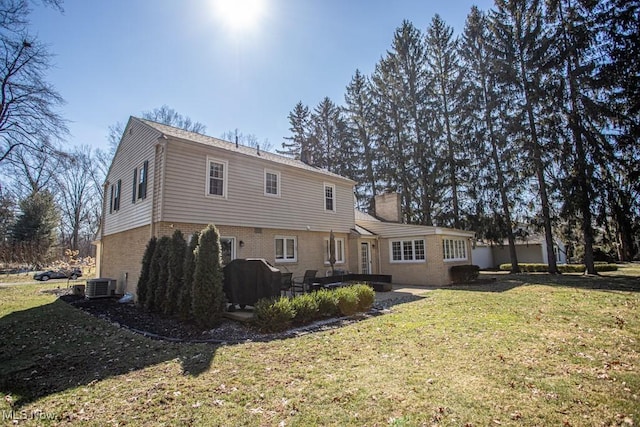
(142, 180)
(271, 183)
(338, 250)
(329, 197)
(139, 190)
(217, 172)
(407, 250)
(286, 249)
(454, 249)
(115, 196)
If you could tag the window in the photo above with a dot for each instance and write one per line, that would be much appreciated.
(115, 196)
(339, 250)
(271, 183)
(286, 249)
(454, 249)
(408, 250)
(329, 197)
(142, 180)
(217, 178)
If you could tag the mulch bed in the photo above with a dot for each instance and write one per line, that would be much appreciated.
(168, 328)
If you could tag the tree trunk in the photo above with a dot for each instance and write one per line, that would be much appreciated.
(536, 152)
(506, 211)
(584, 200)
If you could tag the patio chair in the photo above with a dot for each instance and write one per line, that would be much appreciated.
(302, 284)
(286, 283)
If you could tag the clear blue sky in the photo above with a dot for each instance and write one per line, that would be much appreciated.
(116, 58)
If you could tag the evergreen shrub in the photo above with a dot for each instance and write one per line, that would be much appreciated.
(305, 307)
(327, 303)
(175, 265)
(366, 296)
(563, 268)
(465, 273)
(273, 315)
(184, 296)
(208, 300)
(347, 300)
(143, 281)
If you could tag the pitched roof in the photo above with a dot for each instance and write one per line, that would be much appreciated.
(178, 133)
(362, 216)
(373, 225)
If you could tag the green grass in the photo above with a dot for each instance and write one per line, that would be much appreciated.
(531, 349)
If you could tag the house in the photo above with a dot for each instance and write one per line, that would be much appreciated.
(412, 254)
(530, 249)
(264, 205)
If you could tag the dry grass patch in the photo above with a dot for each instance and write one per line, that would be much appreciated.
(551, 353)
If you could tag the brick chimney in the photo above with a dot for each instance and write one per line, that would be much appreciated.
(388, 206)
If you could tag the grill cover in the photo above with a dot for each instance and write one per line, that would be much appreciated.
(248, 280)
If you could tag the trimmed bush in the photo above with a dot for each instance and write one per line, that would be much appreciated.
(366, 296)
(175, 265)
(155, 268)
(347, 300)
(306, 308)
(465, 273)
(184, 296)
(327, 303)
(208, 300)
(563, 268)
(571, 268)
(606, 267)
(273, 315)
(143, 281)
(160, 291)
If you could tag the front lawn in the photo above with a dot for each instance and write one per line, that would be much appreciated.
(526, 350)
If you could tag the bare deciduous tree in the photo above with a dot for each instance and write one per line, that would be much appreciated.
(28, 104)
(77, 199)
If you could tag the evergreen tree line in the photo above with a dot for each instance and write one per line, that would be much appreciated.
(184, 279)
(527, 121)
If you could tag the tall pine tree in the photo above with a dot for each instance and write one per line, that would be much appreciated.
(445, 75)
(495, 168)
(524, 59)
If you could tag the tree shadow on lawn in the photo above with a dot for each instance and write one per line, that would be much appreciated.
(54, 347)
(506, 282)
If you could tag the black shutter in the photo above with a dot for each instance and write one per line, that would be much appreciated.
(119, 195)
(135, 185)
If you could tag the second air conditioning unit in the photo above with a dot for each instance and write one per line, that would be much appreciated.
(100, 288)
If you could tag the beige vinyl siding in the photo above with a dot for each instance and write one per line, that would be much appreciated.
(137, 145)
(299, 207)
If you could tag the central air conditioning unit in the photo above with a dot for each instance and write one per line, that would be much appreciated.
(100, 288)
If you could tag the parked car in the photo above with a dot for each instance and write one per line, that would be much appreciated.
(72, 274)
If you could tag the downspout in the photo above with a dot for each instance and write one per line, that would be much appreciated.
(105, 187)
(157, 182)
(379, 269)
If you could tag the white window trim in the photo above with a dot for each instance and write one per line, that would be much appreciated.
(284, 247)
(225, 178)
(413, 247)
(324, 196)
(326, 251)
(277, 174)
(466, 250)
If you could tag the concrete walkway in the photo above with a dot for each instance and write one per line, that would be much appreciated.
(402, 291)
